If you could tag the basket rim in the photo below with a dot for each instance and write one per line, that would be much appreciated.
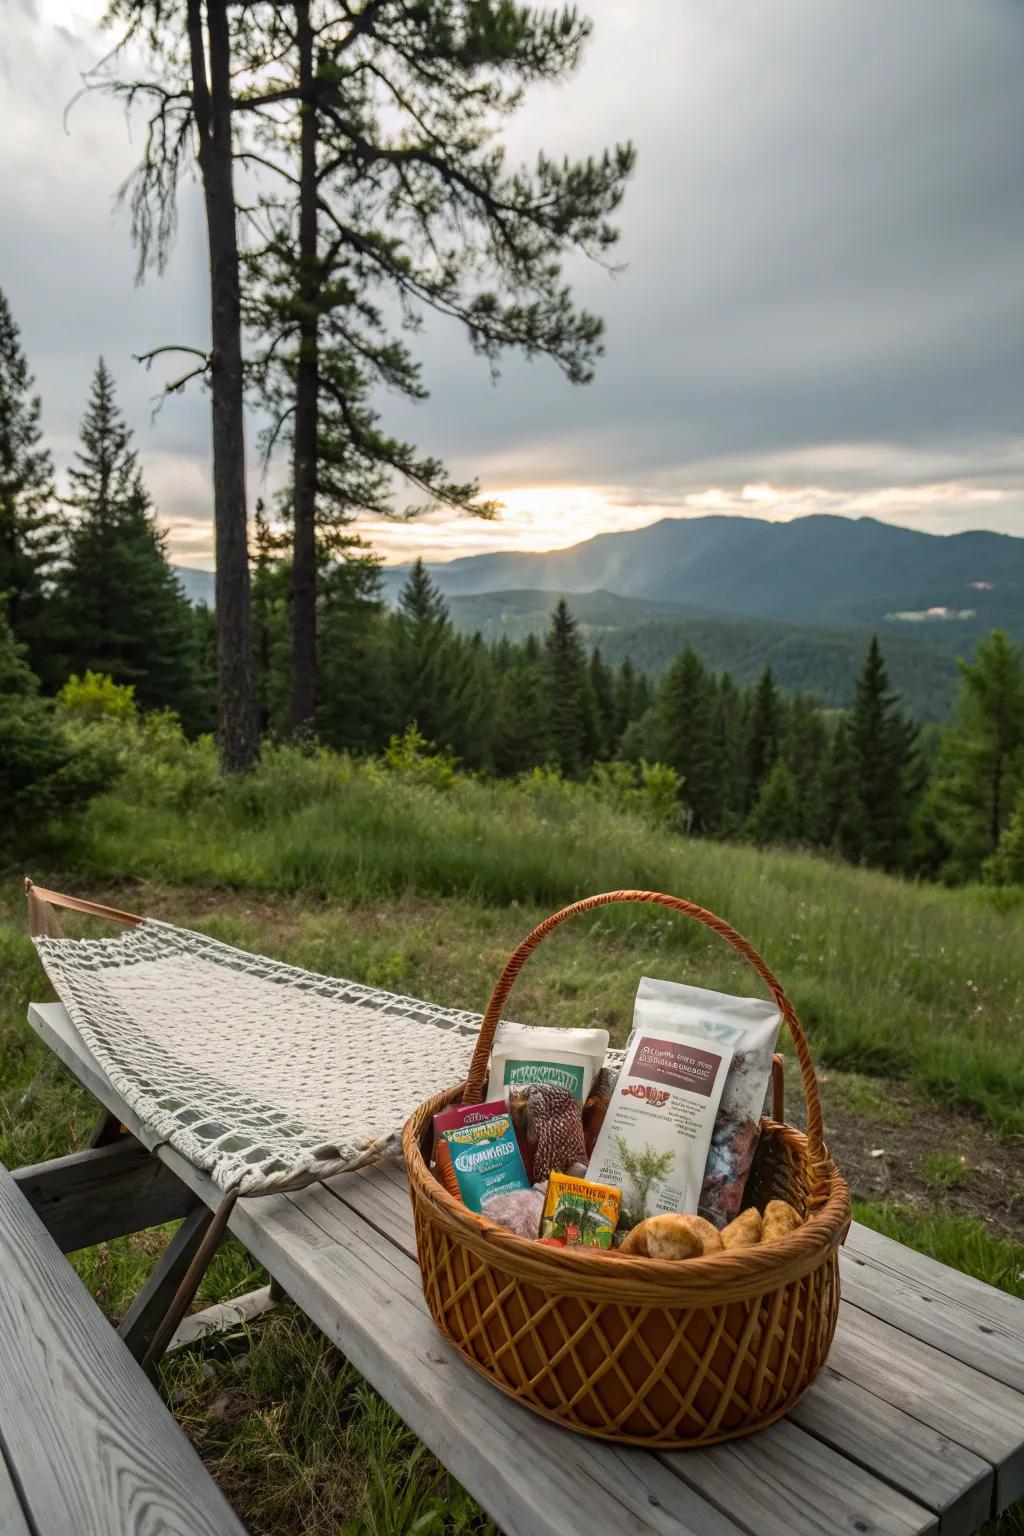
(731, 1275)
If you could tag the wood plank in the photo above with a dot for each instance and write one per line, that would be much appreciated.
(94, 1448)
(304, 1253)
(199, 1327)
(148, 1310)
(975, 1296)
(107, 1192)
(933, 1472)
(978, 1413)
(939, 1474)
(783, 1482)
(13, 1521)
(532, 1478)
(924, 1312)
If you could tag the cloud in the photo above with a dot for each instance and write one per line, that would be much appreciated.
(822, 293)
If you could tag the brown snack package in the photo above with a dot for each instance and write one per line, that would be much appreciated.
(780, 1219)
(672, 1236)
(744, 1231)
(596, 1106)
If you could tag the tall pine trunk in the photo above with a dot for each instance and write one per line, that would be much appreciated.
(236, 702)
(307, 384)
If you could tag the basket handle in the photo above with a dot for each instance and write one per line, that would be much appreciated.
(474, 1089)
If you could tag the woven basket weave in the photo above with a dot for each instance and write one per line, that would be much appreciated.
(632, 1349)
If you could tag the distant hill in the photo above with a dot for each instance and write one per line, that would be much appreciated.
(814, 570)
(197, 585)
(819, 660)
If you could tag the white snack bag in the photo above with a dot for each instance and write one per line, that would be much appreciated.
(525, 1053)
(750, 1026)
(662, 1113)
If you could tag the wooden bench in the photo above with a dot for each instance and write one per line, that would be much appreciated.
(86, 1446)
(915, 1428)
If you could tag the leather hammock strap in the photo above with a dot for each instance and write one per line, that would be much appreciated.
(42, 920)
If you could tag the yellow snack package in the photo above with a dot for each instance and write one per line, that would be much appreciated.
(579, 1213)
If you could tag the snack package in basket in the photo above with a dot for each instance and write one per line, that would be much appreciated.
(523, 1054)
(750, 1026)
(477, 1153)
(579, 1213)
(654, 1140)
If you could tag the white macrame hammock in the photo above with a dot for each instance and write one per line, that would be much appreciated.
(265, 1076)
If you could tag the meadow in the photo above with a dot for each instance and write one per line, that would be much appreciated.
(402, 873)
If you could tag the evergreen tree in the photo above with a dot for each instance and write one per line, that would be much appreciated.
(356, 704)
(120, 609)
(570, 708)
(838, 824)
(1006, 866)
(382, 125)
(883, 744)
(686, 711)
(521, 735)
(776, 817)
(763, 735)
(727, 742)
(30, 533)
(805, 745)
(980, 770)
(425, 655)
(602, 692)
(625, 698)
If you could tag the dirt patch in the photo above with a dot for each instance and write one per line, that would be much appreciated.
(893, 1145)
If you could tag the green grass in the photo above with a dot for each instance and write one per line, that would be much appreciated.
(945, 1169)
(395, 882)
(891, 978)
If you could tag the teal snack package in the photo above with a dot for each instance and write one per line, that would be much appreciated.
(480, 1157)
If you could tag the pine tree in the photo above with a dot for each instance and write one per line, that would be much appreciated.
(980, 771)
(602, 693)
(625, 698)
(425, 660)
(570, 708)
(762, 735)
(839, 822)
(686, 712)
(30, 532)
(776, 817)
(883, 744)
(120, 609)
(521, 737)
(805, 745)
(382, 127)
(727, 742)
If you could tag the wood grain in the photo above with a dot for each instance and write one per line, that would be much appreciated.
(148, 1310)
(12, 1515)
(895, 1431)
(94, 1448)
(91, 1197)
(978, 1413)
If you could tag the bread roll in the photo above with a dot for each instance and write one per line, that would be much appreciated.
(744, 1231)
(780, 1219)
(672, 1237)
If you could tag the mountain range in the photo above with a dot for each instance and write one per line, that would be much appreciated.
(813, 570)
(801, 596)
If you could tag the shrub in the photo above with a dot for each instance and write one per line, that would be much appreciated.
(415, 758)
(96, 697)
(44, 770)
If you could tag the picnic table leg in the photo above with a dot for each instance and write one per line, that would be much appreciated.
(167, 1296)
(107, 1129)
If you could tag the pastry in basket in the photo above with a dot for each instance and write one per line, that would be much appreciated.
(672, 1237)
(780, 1219)
(744, 1231)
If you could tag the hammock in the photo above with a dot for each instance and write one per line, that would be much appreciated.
(265, 1076)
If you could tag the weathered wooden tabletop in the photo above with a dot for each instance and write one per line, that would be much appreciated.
(916, 1424)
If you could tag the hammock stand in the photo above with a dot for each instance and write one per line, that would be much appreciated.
(266, 1077)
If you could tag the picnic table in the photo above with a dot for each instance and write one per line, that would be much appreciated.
(916, 1425)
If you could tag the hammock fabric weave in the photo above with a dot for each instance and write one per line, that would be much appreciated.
(265, 1076)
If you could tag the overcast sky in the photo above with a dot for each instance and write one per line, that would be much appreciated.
(821, 307)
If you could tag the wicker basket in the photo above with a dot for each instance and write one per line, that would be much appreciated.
(634, 1349)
